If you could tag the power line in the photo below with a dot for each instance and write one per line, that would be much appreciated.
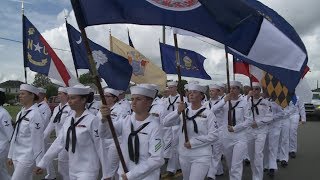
(16, 41)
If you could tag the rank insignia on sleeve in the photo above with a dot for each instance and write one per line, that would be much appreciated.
(158, 145)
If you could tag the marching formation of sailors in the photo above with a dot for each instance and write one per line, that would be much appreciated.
(151, 133)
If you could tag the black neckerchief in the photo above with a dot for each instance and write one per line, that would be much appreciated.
(88, 107)
(58, 115)
(195, 126)
(19, 121)
(72, 130)
(134, 153)
(234, 122)
(213, 104)
(255, 106)
(172, 104)
(39, 105)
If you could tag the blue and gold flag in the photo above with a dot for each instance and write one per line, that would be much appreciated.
(191, 63)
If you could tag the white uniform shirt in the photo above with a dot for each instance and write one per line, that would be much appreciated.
(27, 144)
(297, 109)
(278, 112)
(45, 111)
(87, 154)
(243, 119)
(125, 105)
(265, 116)
(216, 106)
(66, 111)
(93, 107)
(6, 131)
(150, 143)
(201, 141)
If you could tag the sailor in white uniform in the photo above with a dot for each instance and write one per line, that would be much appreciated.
(27, 143)
(46, 113)
(80, 137)
(6, 131)
(58, 118)
(111, 159)
(296, 118)
(257, 132)
(92, 104)
(202, 128)
(215, 104)
(170, 134)
(141, 138)
(272, 141)
(234, 137)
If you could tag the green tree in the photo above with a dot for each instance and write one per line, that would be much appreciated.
(52, 90)
(10, 98)
(41, 80)
(86, 78)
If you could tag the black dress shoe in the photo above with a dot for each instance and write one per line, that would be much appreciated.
(265, 170)
(292, 155)
(284, 163)
(271, 173)
(247, 162)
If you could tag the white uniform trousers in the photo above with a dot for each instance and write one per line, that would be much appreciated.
(234, 153)
(84, 176)
(63, 165)
(294, 123)
(51, 172)
(194, 167)
(173, 162)
(4, 175)
(216, 165)
(111, 162)
(283, 152)
(256, 142)
(22, 170)
(271, 146)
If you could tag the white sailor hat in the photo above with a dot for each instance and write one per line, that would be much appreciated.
(222, 85)
(62, 89)
(2, 90)
(78, 89)
(256, 84)
(143, 90)
(29, 88)
(235, 83)
(193, 82)
(197, 87)
(151, 86)
(244, 85)
(112, 91)
(42, 90)
(172, 83)
(185, 87)
(214, 86)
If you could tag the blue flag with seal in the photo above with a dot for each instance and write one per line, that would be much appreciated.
(191, 63)
(114, 69)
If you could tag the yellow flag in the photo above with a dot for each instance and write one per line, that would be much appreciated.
(144, 71)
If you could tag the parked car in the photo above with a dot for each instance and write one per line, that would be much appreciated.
(53, 101)
(313, 108)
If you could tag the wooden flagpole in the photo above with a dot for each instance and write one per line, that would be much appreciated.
(184, 125)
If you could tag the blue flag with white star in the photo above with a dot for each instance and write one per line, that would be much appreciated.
(114, 69)
(191, 63)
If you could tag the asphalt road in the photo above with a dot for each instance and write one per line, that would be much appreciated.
(306, 166)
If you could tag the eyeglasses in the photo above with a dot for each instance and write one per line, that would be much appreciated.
(256, 89)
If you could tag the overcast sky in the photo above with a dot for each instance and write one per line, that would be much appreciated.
(48, 17)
